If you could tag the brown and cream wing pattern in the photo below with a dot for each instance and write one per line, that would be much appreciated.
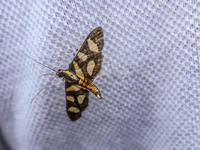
(76, 100)
(88, 61)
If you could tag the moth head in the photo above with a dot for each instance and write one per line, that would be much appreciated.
(60, 73)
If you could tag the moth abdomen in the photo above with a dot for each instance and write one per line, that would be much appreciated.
(91, 87)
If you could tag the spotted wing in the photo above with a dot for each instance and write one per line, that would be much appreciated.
(88, 61)
(76, 100)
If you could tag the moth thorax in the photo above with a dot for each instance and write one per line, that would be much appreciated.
(68, 76)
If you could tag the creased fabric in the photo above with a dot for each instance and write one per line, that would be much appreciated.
(150, 97)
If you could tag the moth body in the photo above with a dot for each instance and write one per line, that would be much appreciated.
(70, 77)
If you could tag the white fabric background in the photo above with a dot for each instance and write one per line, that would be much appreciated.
(150, 99)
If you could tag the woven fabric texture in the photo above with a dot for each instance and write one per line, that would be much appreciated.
(151, 97)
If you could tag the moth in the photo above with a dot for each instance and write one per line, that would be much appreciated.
(79, 76)
(81, 72)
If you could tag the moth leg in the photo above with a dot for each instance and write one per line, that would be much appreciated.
(63, 80)
(79, 46)
(103, 74)
(63, 83)
(75, 52)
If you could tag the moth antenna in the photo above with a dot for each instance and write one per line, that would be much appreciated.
(47, 74)
(42, 89)
(103, 74)
(36, 61)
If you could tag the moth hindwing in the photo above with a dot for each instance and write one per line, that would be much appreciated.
(81, 72)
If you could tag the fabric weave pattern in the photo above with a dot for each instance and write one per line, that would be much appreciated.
(150, 97)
